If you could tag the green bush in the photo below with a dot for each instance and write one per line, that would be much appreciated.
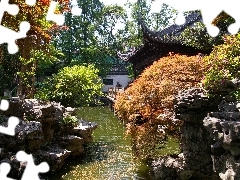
(70, 121)
(223, 64)
(72, 86)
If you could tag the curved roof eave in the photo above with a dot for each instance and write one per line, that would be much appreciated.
(166, 36)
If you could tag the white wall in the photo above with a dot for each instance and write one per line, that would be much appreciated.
(122, 79)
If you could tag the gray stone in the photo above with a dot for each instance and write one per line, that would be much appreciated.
(210, 141)
(39, 128)
(85, 130)
(55, 157)
(73, 143)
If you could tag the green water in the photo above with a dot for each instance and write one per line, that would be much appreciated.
(109, 157)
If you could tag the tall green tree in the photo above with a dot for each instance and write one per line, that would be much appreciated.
(198, 37)
(90, 36)
(141, 11)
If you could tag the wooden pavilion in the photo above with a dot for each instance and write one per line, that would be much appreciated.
(157, 44)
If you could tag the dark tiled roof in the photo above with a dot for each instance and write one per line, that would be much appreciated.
(169, 34)
(173, 29)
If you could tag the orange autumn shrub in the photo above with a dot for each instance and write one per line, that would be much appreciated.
(147, 105)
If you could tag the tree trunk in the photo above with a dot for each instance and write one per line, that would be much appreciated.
(26, 82)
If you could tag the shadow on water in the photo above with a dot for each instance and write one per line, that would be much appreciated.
(109, 156)
(94, 152)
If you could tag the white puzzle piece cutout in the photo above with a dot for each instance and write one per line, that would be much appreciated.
(75, 9)
(4, 170)
(31, 171)
(7, 35)
(12, 121)
(210, 10)
(10, 130)
(4, 105)
(51, 16)
(30, 2)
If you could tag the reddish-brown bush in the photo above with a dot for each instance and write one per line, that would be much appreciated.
(148, 103)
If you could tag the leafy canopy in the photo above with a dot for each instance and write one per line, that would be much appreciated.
(223, 64)
(148, 103)
(72, 86)
(198, 37)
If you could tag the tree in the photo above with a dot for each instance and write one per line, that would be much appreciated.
(37, 37)
(72, 86)
(90, 37)
(9, 66)
(223, 65)
(198, 37)
(141, 11)
(147, 104)
(46, 60)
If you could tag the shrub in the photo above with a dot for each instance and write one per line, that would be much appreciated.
(147, 104)
(70, 121)
(72, 86)
(223, 64)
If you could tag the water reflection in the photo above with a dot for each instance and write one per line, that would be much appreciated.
(109, 156)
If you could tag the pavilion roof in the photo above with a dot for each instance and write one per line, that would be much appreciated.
(168, 35)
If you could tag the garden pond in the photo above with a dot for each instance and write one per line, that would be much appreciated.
(109, 156)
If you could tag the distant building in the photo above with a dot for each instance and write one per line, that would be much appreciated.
(158, 44)
(117, 73)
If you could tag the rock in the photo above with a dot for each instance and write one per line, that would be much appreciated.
(165, 168)
(228, 107)
(55, 157)
(70, 111)
(210, 139)
(217, 149)
(39, 133)
(227, 166)
(73, 143)
(226, 133)
(228, 175)
(85, 130)
(28, 136)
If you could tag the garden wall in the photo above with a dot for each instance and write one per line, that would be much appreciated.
(210, 141)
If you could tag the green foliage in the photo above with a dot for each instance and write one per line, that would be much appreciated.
(90, 37)
(130, 71)
(163, 18)
(223, 64)
(28, 75)
(141, 10)
(9, 66)
(73, 86)
(46, 59)
(70, 121)
(198, 37)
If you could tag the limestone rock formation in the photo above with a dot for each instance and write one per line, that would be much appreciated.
(210, 141)
(42, 133)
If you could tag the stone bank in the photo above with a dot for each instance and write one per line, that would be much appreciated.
(42, 132)
(210, 141)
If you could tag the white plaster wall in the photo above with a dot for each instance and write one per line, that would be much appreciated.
(122, 79)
